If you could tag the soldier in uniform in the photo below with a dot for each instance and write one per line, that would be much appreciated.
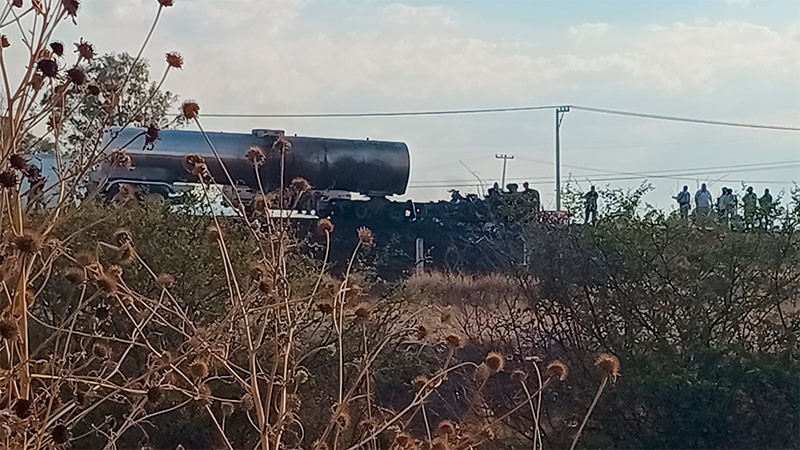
(765, 202)
(532, 195)
(684, 199)
(494, 190)
(750, 201)
(732, 208)
(591, 205)
(722, 204)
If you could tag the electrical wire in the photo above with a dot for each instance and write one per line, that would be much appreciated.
(505, 110)
(663, 173)
(684, 119)
(448, 112)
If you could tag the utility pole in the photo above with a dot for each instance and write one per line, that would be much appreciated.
(505, 159)
(560, 111)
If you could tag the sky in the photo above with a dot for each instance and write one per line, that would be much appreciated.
(735, 60)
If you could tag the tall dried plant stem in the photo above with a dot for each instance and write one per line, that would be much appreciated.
(588, 413)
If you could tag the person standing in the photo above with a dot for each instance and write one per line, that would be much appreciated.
(765, 202)
(702, 201)
(591, 205)
(722, 204)
(750, 201)
(684, 199)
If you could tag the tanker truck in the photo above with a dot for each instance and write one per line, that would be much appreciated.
(337, 169)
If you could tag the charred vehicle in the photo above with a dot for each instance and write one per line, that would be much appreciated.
(336, 168)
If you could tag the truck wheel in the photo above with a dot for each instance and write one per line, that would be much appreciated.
(363, 212)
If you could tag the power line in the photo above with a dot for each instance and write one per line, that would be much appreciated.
(543, 182)
(379, 114)
(685, 119)
(675, 176)
(504, 110)
(655, 173)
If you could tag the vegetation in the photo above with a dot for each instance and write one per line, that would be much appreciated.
(135, 323)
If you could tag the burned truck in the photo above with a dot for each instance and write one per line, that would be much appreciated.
(337, 169)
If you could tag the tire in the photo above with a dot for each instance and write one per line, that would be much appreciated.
(363, 211)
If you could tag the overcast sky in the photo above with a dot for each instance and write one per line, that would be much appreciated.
(728, 60)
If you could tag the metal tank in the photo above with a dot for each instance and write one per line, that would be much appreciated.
(372, 168)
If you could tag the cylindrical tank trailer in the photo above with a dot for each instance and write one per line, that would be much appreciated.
(371, 168)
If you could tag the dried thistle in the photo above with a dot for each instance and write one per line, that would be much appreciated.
(77, 76)
(325, 307)
(174, 60)
(165, 280)
(300, 184)
(71, 7)
(199, 369)
(608, 365)
(17, 3)
(8, 179)
(101, 351)
(557, 370)
(154, 394)
(85, 50)
(495, 362)
(293, 402)
(365, 237)
(281, 145)
(123, 236)
(8, 329)
(454, 341)
(107, 284)
(4, 41)
(22, 408)
(343, 419)
(363, 311)
(121, 158)
(58, 48)
(325, 225)
(445, 428)
(151, 135)
(166, 3)
(85, 258)
(60, 434)
(18, 162)
(419, 382)
(48, 67)
(422, 332)
(114, 271)
(191, 110)
(102, 313)
(30, 242)
(196, 165)
(255, 156)
(93, 89)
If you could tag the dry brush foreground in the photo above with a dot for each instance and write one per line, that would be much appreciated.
(99, 350)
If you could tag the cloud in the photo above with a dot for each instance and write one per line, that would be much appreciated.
(585, 30)
(403, 14)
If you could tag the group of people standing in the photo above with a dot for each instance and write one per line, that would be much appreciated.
(757, 210)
